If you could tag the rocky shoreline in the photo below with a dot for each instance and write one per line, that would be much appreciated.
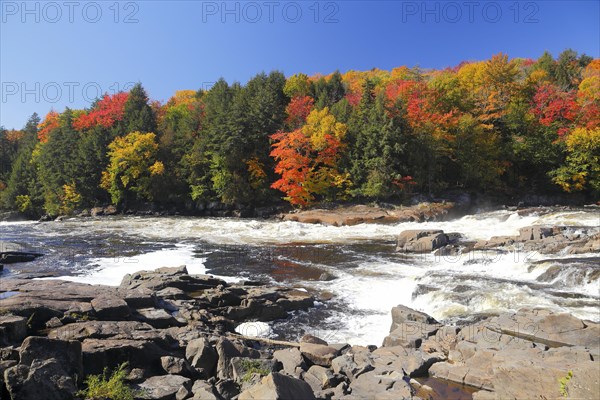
(177, 334)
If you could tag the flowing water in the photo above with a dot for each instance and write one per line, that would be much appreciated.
(354, 271)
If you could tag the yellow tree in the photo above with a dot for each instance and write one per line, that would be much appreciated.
(582, 165)
(132, 164)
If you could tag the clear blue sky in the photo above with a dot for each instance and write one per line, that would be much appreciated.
(53, 51)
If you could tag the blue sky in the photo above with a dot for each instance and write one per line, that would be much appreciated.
(58, 54)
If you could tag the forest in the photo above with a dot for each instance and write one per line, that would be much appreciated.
(495, 126)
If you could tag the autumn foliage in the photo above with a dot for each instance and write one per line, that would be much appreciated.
(108, 110)
(49, 123)
(307, 159)
(501, 126)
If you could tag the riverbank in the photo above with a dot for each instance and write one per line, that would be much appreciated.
(184, 336)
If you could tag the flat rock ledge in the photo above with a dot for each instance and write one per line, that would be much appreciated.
(363, 214)
(176, 332)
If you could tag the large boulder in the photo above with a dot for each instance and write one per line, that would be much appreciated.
(319, 354)
(202, 356)
(143, 354)
(41, 300)
(42, 379)
(247, 370)
(410, 334)
(535, 232)
(291, 360)
(163, 387)
(177, 366)
(67, 353)
(276, 386)
(162, 278)
(421, 240)
(13, 329)
(227, 350)
(320, 378)
(401, 314)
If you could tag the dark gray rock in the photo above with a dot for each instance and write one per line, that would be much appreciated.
(42, 379)
(13, 329)
(420, 241)
(202, 356)
(67, 353)
(292, 361)
(276, 386)
(162, 387)
(110, 308)
(318, 354)
(177, 366)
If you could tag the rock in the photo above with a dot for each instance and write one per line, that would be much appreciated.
(524, 355)
(203, 390)
(183, 393)
(100, 353)
(256, 310)
(276, 386)
(402, 314)
(201, 356)
(320, 378)
(97, 211)
(110, 308)
(104, 330)
(42, 379)
(162, 387)
(245, 370)
(13, 329)
(359, 214)
(172, 293)
(312, 339)
(318, 354)
(54, 323)
(420, 241)
(410, 334)
(177, 366)
(345, 365)
(535, 233)
(67, 353)
(547, 327)
(227, 350)
(110, 210)
(139, 297)
(291, 360)
(158, 318)
(41, 300)
(227, 388)
(162, 278)
(412, 362)
(377, 385)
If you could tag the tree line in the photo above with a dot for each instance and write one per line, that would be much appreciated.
(498, 126)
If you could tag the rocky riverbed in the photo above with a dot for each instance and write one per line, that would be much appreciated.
(177, 334)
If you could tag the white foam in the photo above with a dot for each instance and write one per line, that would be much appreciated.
(111, 270)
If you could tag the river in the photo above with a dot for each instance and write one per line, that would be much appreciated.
(354, 271)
